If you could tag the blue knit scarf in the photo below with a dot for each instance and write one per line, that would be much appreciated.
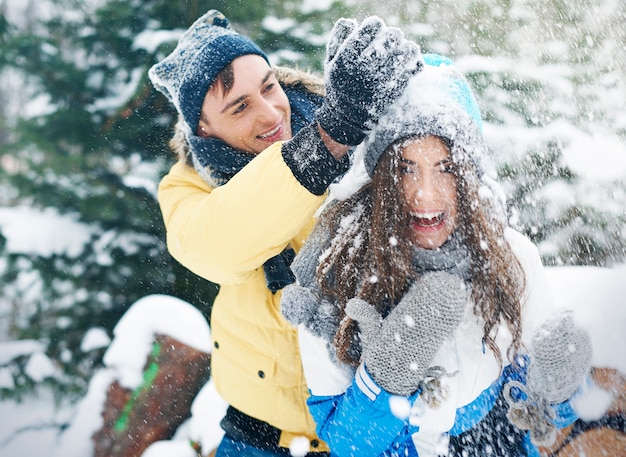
(223, 162)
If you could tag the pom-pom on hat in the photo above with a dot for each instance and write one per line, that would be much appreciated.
(437, 101)
(202, 51)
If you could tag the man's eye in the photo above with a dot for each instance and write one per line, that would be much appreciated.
(240, 108)
(269, 87)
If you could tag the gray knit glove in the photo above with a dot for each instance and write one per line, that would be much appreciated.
(367, 67)
(398, 349)
(560, 358)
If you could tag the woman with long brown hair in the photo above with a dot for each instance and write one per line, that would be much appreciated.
(421, 314)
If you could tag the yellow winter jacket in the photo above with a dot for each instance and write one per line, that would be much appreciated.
(222, 234)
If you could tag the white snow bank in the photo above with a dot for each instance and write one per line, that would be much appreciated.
(32, 231)
(9, 350)
(76, 440)
(148, 316)
(598, 298)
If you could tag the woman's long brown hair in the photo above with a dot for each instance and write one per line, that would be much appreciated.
(372, 260)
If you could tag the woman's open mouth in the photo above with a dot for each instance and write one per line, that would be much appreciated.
(428, 220)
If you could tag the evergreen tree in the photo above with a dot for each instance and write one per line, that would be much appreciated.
(563, 98)
(550, 80)
(91, 151)
(94, 154)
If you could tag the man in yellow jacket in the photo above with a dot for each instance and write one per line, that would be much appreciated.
(258, 148)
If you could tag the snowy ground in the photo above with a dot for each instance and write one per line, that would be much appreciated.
(597, 295)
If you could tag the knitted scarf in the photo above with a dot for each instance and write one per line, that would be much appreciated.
(452, 257)
(218, 162)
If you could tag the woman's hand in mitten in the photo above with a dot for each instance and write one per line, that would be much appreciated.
(398, 349)
(367, 67)
(298, 304)
(303, 305)
(303, 302)
(560, 359)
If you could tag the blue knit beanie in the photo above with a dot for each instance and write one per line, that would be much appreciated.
(437, 101)
(202, 51)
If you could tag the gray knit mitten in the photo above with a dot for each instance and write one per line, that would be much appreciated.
(302, 302)
(305, 263)
(399, 349)
(560, 358)
(303, 305)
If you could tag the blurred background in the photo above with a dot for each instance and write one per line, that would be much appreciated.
(83, 145)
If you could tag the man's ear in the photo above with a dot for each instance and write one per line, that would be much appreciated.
(203, 128)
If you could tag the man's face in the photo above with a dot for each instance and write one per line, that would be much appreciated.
(254, 114)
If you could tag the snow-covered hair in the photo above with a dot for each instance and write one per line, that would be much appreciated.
(356, 231)
(438, 101)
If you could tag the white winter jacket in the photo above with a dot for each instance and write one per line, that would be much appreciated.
(357, 417)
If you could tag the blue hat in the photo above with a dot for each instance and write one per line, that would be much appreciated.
(202, 51)
(437, 101)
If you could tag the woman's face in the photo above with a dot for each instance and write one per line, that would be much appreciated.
(429, 184)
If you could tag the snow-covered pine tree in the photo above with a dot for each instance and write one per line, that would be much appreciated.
(89, 148)
(550, 81)
(563, 104)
